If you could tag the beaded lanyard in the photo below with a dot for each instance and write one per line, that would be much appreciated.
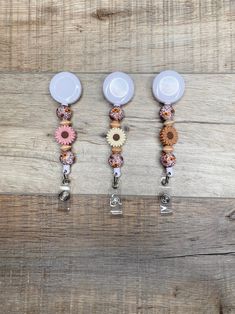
(168, 88)
(118, 89)
(66, 89)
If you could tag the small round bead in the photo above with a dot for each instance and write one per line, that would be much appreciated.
(115, 160)
(168, 149)
(64, 112)
(67, 158)
(168, 159)
(115, 124)
(116, 150)
(168, 123)
(65, 148)
(65, 122)
(167, 112)
(116, 113)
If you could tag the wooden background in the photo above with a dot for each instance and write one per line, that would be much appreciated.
(85, 261)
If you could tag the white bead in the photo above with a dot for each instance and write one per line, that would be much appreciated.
(66, 169)
(169, 171)
(117, 172)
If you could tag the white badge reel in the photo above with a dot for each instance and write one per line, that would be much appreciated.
(118, 88)
(65, 88)
(168, 87)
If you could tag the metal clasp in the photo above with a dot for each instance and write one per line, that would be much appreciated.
(115, 182)
(64, 195)
(65, 180)
(115, 204)
(165, 200)
(165, 180)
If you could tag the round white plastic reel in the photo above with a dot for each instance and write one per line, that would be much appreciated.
(65, 88)
(118, 88)
(168, 87)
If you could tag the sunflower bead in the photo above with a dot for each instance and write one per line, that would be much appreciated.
(168, 136)
(65, 135)
(116, 137)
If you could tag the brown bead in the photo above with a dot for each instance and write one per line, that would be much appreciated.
(168, 136)
(168, 149)
(65, 148)
(169, 123)
(65, 122)
(115, 124)
(116, 150)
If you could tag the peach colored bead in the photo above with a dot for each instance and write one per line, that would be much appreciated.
(115, 124)
(168, 149)
(65, 122)
(65, 148)
(116, 150)
(169, 123)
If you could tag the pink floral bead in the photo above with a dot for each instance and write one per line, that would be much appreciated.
(115, 160)
(168, 159)
(167, 112)
(65, 135)
(64, 112)
(116, 113)
(67, 158)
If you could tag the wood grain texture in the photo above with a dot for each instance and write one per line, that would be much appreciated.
(134, 36)
(86, 262)
(205, 121)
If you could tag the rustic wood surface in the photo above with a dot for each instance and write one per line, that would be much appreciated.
(101, 36)
(84, 261)
(205, 120)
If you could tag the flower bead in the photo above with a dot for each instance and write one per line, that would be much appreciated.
(168, 136)
(67, 158)
(115, 160)
(116, 113)
(167, 112)
(116, 137)
(64, 112)
(65, 135)
(168, 159)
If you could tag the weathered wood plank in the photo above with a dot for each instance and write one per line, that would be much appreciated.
(145, 36)
(205, 121)
(87, 262)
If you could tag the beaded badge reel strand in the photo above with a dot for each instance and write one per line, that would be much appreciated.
(118, 89)
(66, 89)
(168, 88)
